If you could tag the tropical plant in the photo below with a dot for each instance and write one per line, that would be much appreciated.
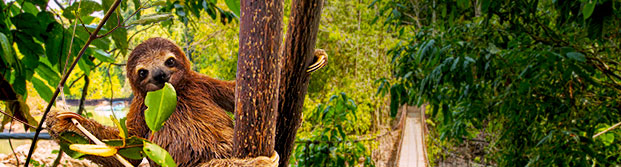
(544, 74)
(330, 143)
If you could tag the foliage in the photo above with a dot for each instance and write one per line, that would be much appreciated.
(329, 143)
(161, 104)
(545, 72)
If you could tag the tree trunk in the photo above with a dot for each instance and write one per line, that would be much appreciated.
(297, 55)
(258, 74)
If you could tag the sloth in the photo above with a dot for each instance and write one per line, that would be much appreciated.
(199, 130)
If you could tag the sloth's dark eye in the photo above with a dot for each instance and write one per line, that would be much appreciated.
(143, 73)
(170, 62)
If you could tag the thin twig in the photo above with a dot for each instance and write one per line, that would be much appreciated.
(11, 143)
(58, 158)
(139, 31)
(82, 22)
(611, 128)
(66, 76)
(13, 117)
(83, 98)
(118, 24)
(59, 5)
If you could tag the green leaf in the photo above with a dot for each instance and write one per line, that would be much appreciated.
(84, 66)
(30, 8)
(56, 45)
(234, 5)
(158, 155)
(161, 104)
(45, 18)
(588, 8)
(103, 56)
(7, 51)
(46, 72)
(133, 145)
(67, 138)
(44, 91)
(29, 48)
(86, 8)
(27, 23)
(148, 19)
(136, 7)
(576, 56)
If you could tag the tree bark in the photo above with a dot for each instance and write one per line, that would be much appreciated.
(258, 75)
(297, 55)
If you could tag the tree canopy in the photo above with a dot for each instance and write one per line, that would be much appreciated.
(539, 77)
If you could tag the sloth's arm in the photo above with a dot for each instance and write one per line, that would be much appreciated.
(59, 122)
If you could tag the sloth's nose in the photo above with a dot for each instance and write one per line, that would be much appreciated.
(160, 76)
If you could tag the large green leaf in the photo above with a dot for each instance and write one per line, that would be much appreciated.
(46, 72)
(44, 91)
(161, 104)
(7, 51)
(234, 5)
(45, 18)
(27, 23)
(68, 138)
(158, 155)
(56, 45)
(86, 8)
(588, 8)
(30, 8)
(84, 66)
(29, 48)
(103, 56)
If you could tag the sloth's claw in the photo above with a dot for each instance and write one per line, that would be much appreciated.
(320, 60)
(66, 115)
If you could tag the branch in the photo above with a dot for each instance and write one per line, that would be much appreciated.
(83, 98)
(13, 117)
(296, 56)
(611, 128)
(92, 37)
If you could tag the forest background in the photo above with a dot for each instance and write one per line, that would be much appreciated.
(507, 83)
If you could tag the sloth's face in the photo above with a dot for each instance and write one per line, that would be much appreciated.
(155, 68)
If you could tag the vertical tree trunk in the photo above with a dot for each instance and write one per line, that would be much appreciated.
(297, 55)
(258, 74)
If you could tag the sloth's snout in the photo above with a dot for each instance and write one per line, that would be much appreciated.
(160, 77)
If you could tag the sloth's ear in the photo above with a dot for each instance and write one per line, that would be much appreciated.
(320, 60)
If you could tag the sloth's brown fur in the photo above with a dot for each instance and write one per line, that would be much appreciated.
(198, 131)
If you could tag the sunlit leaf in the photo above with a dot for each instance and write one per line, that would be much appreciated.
(44, 91)
(161, 104)
(149, 19)
(7, 51)
(68, 138)
(158, 155)
(92, 149)
(234, 5)
(103, 56)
